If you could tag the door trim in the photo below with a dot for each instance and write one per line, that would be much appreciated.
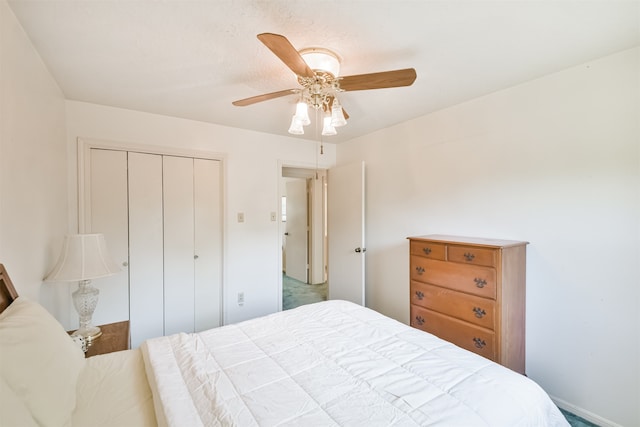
(282, 164)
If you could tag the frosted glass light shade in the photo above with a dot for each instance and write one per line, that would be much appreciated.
(319, 59)
(328, 129)
(337, 116)
(296, 126)
(302, 113)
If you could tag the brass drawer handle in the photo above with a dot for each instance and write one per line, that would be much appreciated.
(480, 313)
(419, 270)
(469, 256)
(479, 343)
(420, 320)
(480, 282)
(426, 251)
(420, 295)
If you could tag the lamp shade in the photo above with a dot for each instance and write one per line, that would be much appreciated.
(337, 115)
(319, 59)
(302, 113)
(328, 128)
(83, 257)
(296, 126)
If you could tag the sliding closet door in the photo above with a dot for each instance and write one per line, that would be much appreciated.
(208, 243)
(106, 211)
(146, 257)
(179, 293)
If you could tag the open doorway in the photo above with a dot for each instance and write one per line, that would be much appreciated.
(304, 239)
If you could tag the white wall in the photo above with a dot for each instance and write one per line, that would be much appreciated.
(252, 174)
(33, 165)
(554, 162)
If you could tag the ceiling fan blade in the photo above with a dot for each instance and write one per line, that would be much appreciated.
(385, 79)
(264, 97)
(286, 52)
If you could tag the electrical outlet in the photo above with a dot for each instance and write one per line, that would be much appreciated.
(240, 298)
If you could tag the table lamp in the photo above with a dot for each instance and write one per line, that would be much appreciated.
(84, 257)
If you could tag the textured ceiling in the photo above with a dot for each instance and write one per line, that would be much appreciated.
(191, 59)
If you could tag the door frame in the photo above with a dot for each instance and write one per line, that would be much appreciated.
(85, 145)
(312, 168)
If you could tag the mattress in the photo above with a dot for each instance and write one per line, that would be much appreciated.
(334, 363)
(112, 390)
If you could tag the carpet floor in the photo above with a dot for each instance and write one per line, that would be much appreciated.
(296, 293)
(576, 421)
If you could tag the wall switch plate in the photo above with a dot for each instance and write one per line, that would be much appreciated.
(273, 216)
(240, 216)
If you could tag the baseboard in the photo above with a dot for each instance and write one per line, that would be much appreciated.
(582, 413)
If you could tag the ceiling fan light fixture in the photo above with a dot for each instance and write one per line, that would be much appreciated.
(296, 126)
(302, 113)
(328, 129)
(320, 59)
(337, 115)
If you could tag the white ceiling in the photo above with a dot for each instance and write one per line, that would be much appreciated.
(192, 58)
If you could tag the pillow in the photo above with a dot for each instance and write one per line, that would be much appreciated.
(39, 362)
(13, 411)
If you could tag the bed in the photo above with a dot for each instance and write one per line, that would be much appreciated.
(325, 364)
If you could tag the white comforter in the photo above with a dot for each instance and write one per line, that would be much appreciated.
(334, 363)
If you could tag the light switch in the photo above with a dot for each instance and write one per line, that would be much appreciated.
(240, 216)
(273, 216)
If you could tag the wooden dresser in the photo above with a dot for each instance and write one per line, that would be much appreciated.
(471, 292)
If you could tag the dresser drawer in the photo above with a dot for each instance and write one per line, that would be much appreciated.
(471, 279)
(472, 255)
(473, 338)
(428, 249)
(473, 309)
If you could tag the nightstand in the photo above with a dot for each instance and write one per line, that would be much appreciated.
(115, 337)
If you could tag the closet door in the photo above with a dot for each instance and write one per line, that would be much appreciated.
(179, 292)
(162, 219)
(208, 243)
(106, 211)
(146, 257)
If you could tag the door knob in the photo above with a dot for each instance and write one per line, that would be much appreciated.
(125, 264)
(358, 250)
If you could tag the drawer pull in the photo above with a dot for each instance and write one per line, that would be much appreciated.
(420, 294)
(420, 320)
(426, 251)
(469, 256)
(480, 313)
(479, 343)
(419, 270)
(480, 282)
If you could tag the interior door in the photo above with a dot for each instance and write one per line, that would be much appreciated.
(346, 221)
(146, 257)
(296, 243)
(106, 211)
(178, 211)
(208, 243)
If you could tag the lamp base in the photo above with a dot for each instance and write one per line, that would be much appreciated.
(89, 333)
(85, 299)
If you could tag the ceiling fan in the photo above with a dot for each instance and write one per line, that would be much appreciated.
(318, 75)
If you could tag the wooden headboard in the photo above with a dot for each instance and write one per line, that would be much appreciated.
(7, 291)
